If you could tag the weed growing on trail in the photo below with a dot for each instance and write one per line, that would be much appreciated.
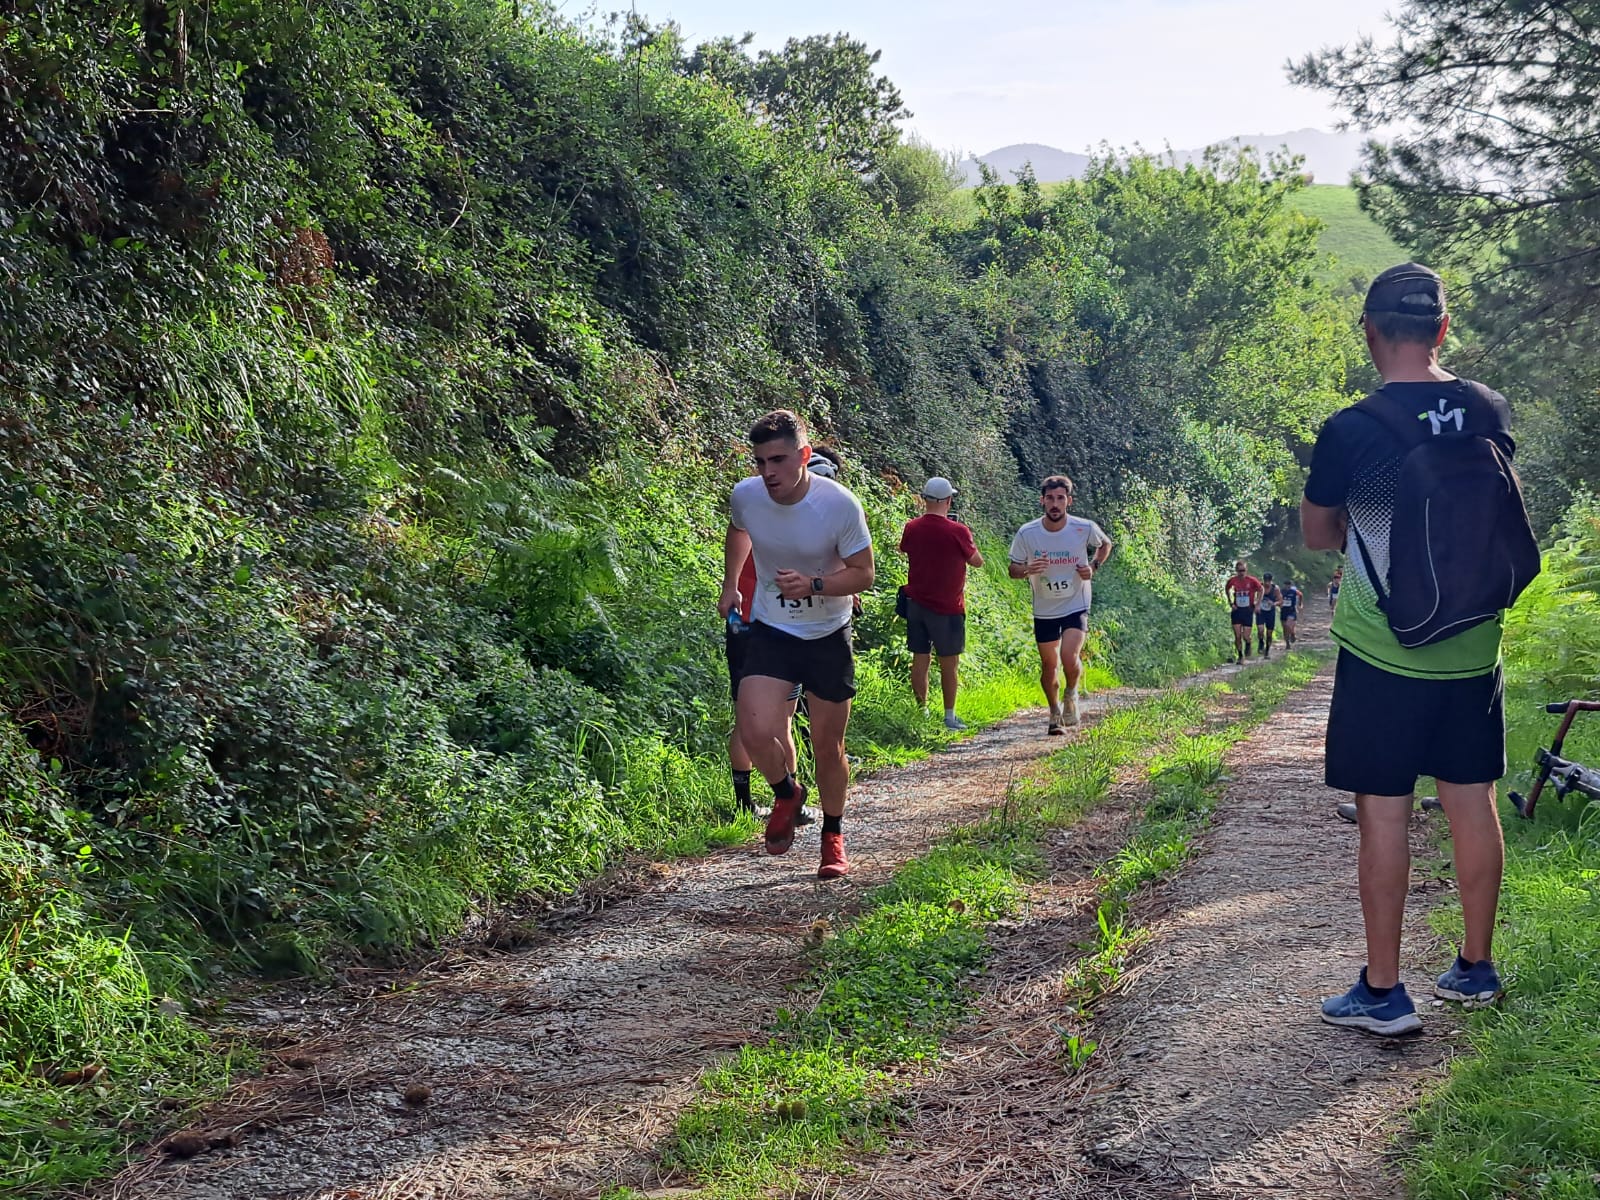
(891, 984)
(1105, 961)
(1077, 1051)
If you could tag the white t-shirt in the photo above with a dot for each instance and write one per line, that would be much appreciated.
(1059, 592)
(813, 536)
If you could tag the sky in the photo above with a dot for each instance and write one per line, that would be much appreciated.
(981, 74)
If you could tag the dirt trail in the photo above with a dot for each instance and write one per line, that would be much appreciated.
(1213, 1077)
(557, 1068)
(1223, 1081)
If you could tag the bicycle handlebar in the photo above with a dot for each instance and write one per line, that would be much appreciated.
(1561, 706)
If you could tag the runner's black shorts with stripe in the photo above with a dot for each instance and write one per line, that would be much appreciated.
(824, 667)
(736, 646)
(1385, 731)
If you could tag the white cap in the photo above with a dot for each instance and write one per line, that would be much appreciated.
(821, 466)
(938, 488)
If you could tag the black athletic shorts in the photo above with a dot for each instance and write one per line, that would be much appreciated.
(1386, 730)
(736, 646)
(1243, 617)
(1268, 619)
(1050, 629)
(927, 631)
(1291, 614)
(824, 667)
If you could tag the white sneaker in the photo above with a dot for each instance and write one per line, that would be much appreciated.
(1069, 708)
(951, 721)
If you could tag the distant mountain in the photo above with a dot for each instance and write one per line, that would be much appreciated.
(1049, 164)
(1331, 157)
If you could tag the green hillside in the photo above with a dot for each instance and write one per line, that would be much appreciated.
(1357, 242)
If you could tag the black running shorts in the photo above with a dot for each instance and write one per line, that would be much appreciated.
(927, 631)
(824, 667)
(1050, 629)
(736, 646)
(1291, 614)
(1243, 617)
(1268, 619)
(1386, 730)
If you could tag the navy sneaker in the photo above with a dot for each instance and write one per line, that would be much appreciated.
(1359, 1008)
(1474, 984)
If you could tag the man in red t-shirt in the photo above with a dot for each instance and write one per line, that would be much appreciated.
(938, 551)
(1243, 590)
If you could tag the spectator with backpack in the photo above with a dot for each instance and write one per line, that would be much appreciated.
(1415, 483)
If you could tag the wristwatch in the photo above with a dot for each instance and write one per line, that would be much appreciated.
(816, 585)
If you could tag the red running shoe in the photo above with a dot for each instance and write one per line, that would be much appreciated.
(781, 823)
(833, 860)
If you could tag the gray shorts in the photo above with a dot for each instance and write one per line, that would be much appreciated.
(928, 631)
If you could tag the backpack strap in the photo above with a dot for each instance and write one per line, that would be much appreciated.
(1386, 410)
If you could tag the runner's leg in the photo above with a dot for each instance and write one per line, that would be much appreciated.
(1049, 661)
(764, 714)
(1384, 872)
(1072, 658)
(828, 722)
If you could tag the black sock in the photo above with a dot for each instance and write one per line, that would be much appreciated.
(1376, 991)
(784, 788)
(831, 824)
(741, 788)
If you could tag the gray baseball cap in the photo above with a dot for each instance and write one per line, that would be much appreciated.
(938, 488)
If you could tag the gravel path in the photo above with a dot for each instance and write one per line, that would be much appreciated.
(555, 1068)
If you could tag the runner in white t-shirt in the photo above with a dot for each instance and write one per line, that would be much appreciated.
(812, 552)
(1058, 555)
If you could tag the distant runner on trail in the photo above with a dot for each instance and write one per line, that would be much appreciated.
(1059, 555)
(1429, 707)
(1242, 590)
(812, 552)
(1333, 588)
(938, 552)
(1290, 612)
(1267, 614)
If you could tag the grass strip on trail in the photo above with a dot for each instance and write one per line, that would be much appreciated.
(885, 989)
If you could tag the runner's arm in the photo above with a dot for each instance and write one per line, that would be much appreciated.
(735, 549)
(1102, 553)
(855, 576)
(976, 560)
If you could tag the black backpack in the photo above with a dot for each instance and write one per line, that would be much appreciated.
(1460, 547)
